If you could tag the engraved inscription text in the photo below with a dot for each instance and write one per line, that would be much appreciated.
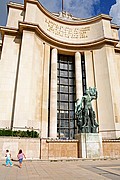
(67, 32)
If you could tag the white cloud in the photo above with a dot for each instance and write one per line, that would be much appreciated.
(78, 8)
(51, 5)
(115, 13)
(81, 8)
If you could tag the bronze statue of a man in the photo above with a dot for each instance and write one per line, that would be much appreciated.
(85, 114)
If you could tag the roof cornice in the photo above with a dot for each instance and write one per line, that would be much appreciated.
(8, 31)
(58, 19)
(117, 49)
(5, 30)
(15, 5)
(114, 26)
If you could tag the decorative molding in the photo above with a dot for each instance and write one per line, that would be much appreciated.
(52, 41)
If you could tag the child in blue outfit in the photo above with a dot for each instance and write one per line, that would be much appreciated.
(8, 158)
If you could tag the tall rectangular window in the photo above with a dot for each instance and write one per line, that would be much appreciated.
(84, 84)
(66, 125)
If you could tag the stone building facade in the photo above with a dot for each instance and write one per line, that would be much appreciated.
(47, 61)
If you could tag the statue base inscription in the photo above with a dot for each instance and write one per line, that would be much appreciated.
(90, 145)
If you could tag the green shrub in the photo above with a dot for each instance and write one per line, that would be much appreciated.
(8, 133)
(32, 134)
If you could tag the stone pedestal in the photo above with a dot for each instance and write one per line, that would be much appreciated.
(90, 145)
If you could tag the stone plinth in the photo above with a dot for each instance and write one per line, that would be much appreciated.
(90, 145)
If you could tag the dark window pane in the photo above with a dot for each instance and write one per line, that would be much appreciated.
(71, 67)
(64, 73)
(66, 115)
(71, 89)
(63, 66)
(71, 74)
(61, 88)
(71, 82)
(62, 115)
(63, 97)
(64, 89)
(62, 106)
(64, 81)
(64, 123)
(71, 106)
(72, 114)
(71, 97)
(71, 124)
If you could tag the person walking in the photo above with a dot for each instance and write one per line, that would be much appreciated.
(8, 158)
(20, 157)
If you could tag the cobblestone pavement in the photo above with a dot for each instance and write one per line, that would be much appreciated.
(62, 170)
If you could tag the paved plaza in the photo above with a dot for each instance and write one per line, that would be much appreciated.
(78, 169)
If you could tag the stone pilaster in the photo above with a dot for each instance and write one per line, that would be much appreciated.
(45, 92)
(28, 102)
(78, 76)
(53, 95)
(8, 70)
(90, 76)
(103, 70)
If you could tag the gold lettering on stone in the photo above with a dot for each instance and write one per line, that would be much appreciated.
(67, 32)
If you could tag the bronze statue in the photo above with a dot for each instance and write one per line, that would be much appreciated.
(85, 114)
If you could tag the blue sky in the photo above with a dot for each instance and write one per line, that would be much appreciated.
(78, 8)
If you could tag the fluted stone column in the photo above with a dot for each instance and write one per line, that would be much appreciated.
(53, 95)
(78, 76)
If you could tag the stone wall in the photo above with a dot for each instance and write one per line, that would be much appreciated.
(51, 149)
(30, 146)
(39, 148)
(56, 149)
(111, 148)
